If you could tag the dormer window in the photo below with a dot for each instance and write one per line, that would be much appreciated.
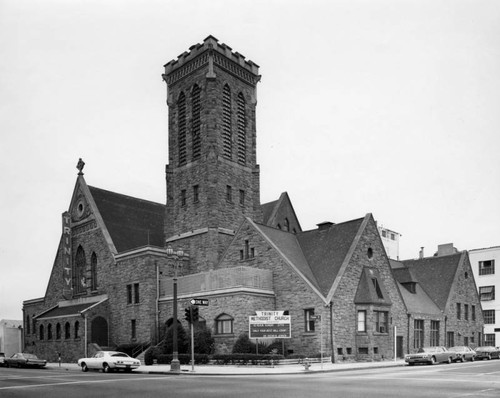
(410, 286)
(377, 288)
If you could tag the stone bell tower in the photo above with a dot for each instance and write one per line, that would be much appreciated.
(212, 175)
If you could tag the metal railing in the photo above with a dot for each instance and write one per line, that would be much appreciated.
(221, 279)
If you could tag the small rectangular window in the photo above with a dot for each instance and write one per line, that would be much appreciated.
(466, 312)
(136, 293)
(381, 321)
(418, 333)
(183, 197)
(229, 194)
(309, 320)
(459, 311)
(362, 321)
(487, 293)
(129, 294)
(242, 197)
(434, 333)
(487, 267)
(133, 329)
(196, 194)
(489, 317)
(473, 312)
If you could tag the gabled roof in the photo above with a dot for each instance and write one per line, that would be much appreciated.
(367, 291)
(288, 245)
(326, 249)
(272, 211)
(436, 275)
(131, 222)
(418, 302)
(318, 255)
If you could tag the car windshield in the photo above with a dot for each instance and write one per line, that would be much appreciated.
(119, 354)
(30, 356)
(457, 348)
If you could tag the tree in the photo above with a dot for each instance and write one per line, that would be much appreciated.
(182, 340)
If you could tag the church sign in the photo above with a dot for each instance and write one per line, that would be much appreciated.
(66, 255)
(269, 324)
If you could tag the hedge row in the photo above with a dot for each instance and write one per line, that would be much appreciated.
(245, 359)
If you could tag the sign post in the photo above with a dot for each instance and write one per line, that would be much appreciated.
(193, 317)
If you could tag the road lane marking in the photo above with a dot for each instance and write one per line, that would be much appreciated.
(79, 382)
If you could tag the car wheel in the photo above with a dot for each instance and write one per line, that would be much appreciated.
(85, 368)
(106, 368)
(488, 357)
(462, 359)
(472, 359)
(433, 361)
(449, 360)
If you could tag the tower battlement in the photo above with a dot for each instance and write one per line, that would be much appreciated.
(210, 52)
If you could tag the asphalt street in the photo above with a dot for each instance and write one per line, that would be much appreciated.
(477, 379)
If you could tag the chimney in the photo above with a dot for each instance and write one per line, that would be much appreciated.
(446, 249)
(421, 253)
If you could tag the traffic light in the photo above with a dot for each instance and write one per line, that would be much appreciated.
(195, 314)
(187, 314)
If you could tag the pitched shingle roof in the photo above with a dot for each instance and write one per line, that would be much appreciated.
(436, 275)
(326, 249)
(131, 222)
(317, 254)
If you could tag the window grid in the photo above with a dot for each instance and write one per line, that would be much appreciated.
(418, 334)
(381, 321)
(489, 316)
(487, 267)
(487, 293)
(309, 321)
(434, 333)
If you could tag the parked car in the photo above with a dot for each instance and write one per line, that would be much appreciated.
(108, 361)
(23, 359)
(2, 359)
(463, 353)
(430, 355)
(487, 352)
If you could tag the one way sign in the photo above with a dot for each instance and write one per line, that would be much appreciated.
(199, 301)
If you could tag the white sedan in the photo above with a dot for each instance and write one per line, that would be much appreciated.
(108, 361)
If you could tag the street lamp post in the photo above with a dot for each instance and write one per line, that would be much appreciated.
(177, 257)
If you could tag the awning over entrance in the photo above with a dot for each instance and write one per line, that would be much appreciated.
(64, 311)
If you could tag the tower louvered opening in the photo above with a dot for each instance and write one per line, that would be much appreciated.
(242, 145)
(227, 145)
(181, 109)
(196, 126)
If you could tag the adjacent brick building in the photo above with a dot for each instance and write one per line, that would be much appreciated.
(113, 276)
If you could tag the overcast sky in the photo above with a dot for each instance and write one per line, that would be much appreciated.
(388, 107)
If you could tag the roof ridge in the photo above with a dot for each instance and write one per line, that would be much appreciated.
(125, 195)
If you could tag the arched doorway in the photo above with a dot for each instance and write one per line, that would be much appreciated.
(99, 331)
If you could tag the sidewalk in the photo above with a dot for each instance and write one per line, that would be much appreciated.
(227, 370)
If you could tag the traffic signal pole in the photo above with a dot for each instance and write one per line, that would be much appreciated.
(191, 325)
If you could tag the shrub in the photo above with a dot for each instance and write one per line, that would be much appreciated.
(244, 345)
(182, 340)
(203, 341)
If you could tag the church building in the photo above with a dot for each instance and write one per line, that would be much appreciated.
(121, 260)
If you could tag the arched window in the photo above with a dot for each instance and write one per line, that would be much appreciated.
(224, 324)
(49, 332)
(77, 330)
(227, 133)
(287, 225)
(181, 120)
(196, 121)
(242, 126)
(42, 334)
(80, 281)
(93, 271)
(67, 331)
(58, 331)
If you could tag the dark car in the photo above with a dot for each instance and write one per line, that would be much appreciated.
(487, 352)
(463, 353)
(430, 355)
(22, 359)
